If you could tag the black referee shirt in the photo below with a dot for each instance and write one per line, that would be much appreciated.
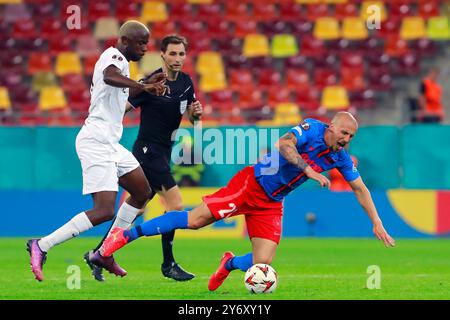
(161, 115)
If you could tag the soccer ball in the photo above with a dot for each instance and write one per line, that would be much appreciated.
(261, 278)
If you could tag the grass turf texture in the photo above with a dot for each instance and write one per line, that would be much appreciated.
(308, 269)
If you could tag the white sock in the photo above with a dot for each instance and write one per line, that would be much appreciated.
(71, 229)
(124, 219)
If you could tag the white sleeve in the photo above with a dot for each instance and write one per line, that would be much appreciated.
(112, 58)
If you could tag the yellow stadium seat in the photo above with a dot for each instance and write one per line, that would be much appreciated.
(369, 12)
(150, 62)
(255, 45)
(5, 102)
(153, 11)
(354, 28)
(212, 81)
(307, 1)
(106, 28)
(287, 114)
(327, 28)
(52, 98)
(334, 1)
(42, 80)
(284, 45)
(335, 97)
(67, 63)
(412, 28)
(10, 1)
(438, 28)
(209, 62)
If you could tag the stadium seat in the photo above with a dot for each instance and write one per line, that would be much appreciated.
(251, 99)
(199, 44)
(335, 97)
(15, 12)
(324, 77)
(316, 10)
(340, 46)
(352, 60)
(241, 80)
(150, 62)
(345, 10)
(24, 29)
(352, 79)
(220, 30)
(363, 99)
(245, 27)
(290, 11)
(396, 47)
(212, 81)
(192, 28)
(353, 28)
(209, 13)
(52, 28)
(264, 12)
(67, 62)
(209, 62)
(308, 100)
(5, 102)
(52, 98)
(370, 15)
(89, 64)
(261, 63)
(237, 61)
(106, 28)
(236, 11)
(412, 28)
(400, 9)
(255, 45)
(43, 79)
(311, 46)
(181, 11)
(278, 94)
(287, 114)
(87, 45)
(423, 47)
(39, 62)
(389, 28)
(427, 9)
(327, 28)
(283, 45)
(379, 62)
(268, 78)
(295, 62)
(126, 10)
(380, 80)
(200, 1)
(161, 29)
(407, 65)
(297, 79)
(153, 11)
(222, 100)
(438, 28)
(229, 46)
(98, 10)
(57, 46)
(329, 61)
(73, 83)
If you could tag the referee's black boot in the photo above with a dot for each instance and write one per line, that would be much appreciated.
(176, 272)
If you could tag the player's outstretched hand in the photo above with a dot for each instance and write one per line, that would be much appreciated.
(158, 88)
(381, 234)
(157, 77)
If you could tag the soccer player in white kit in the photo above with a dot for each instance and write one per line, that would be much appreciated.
(105, 163)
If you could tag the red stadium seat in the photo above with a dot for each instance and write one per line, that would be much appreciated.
(237, 61)
(427, 9)
(241, 80)
(400, 9)
(182, 11)
(199, 44)
(297, 79)
(264, 12)
(370, 47)
(161, 29)
(389, 28)
(308, 99)
(87, 45)
(24, 29)
(340, 46)
(52, 28)
(380, 80)
(268, 78)
(261, 63)
(330, 62)
(272, 28)
(79, 101)
(220, 30)
(290, 11)
(245, 27)
(396, 47)
(345, 10)
(39, 62)
(278, 94)
(353, 79)
(89, 64)
(295, 62)
(222, 100)
(209, 13)
(192, 28)
(324, 77)
(315, 11)
(301, 28)
(236, 11)
(57, 46)
(73, 83)
(352, 60)
(407, 65)
(423, 47)
(126, 10)
(363, 99)
(98, 9)
(379, 63)
(312, 47)
(251, 99)
(229, 46)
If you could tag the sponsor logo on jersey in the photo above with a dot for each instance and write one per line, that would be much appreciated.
(305, 126)
(183, 106)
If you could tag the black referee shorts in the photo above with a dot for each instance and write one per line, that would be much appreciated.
(155, 161)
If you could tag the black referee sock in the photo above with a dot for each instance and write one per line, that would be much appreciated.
(167, 243)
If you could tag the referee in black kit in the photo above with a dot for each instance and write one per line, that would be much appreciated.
(160, 117)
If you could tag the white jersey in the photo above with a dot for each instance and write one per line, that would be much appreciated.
(107, 108)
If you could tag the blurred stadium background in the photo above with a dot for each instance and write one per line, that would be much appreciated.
(260, 63)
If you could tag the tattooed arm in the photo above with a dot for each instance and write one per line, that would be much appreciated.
(287, 145)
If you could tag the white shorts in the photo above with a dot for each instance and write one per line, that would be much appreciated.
(102, 164)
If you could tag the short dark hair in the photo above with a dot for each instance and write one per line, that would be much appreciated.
(173, 39)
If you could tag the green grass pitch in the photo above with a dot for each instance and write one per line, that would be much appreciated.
(308, 269)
